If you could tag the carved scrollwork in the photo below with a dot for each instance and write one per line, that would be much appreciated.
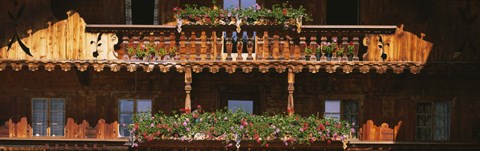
(49, 66)
(231, 69)
(263, 68)
(16, 66)
(31, 67)
(148, 68)
(197, 69)
(364, 69)
(65, 66)
(98, 67)
(80, 67)
(313, 68)
(3, 66)
(398, 69)
(330, 68)
(297, 68)
(115, 67)
(381, 69)
(164, 69)
(180, 68)
(247, 68)
(415, 69)
(347, 69)
(280, 68)
(214, 69)
(132, 68)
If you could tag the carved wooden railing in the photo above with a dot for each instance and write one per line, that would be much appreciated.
(72, 130)
(371, 132)
(223, 43)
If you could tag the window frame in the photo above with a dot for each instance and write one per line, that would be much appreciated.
(135, 111)
(48, 129)
(433, 126)
(342, 111)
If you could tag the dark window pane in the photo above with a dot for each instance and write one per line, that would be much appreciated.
(39, 117)
(244, 105)
(57, 117)
(144, 106)
(442, 121)
(126, 106)
(424, 121)
(125, 120)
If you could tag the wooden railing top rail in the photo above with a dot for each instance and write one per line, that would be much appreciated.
(359, 29)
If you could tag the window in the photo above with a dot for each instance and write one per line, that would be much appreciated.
(433, 121)
(235, 3)
(48, 117)
(244, 105)
(128, 107)
(343, 110)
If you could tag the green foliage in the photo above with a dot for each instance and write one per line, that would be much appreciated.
(308, 51)
(226, 126)
(279, 14)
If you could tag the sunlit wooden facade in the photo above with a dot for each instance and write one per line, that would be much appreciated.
(68, 93)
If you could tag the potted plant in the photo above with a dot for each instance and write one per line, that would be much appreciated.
(162, 53)
(350, 51)
(340, 52)
(308, 52)
(329, 47)
(318, 52)
(140, 52)
(172, 52)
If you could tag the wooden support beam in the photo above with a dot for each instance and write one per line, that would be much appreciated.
(188, 88)
(291, 81)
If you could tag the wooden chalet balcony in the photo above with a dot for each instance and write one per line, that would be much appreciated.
(261, 47)
(74, 44)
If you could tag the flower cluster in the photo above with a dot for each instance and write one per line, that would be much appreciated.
(230, 127)
(280, 14)
(139, 51)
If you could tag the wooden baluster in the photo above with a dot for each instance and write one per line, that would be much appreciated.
(209, 46)
(183, 50)
(136, 44)
(268, 45)
(290, 48)
(322, 45)
(203, 45)
(239, 50)
(198, 48)
(188, 88)
(291, 88)
(192, 50)
(260, 49)
(281, 50)
(276, 46)
(229, 45)
(302, 46)
(313, 47)
(173, 46)
(344, 46)
(250, 49)
(355, 49)
(125, 44)
(218, 47)
(334, 52)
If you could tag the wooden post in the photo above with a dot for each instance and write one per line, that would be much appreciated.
(188, 88)
(291, 81)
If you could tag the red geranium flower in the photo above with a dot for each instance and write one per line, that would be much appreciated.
(284, 12)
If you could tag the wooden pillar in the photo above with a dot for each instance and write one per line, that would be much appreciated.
(291, 81)
(188, 88)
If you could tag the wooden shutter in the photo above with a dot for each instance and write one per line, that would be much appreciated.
(39, 116)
